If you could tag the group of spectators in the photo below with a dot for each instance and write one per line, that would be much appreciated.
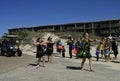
(106, 47)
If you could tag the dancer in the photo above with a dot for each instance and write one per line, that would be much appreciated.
(86, 51)
(40, 52)
(49, 50)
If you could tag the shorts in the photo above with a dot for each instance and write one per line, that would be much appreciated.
(106, 52)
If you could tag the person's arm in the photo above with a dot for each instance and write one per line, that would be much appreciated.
(53, 42)
(36, 43)
(92, 40)
(45, 43)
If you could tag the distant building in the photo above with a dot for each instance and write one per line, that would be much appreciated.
(101, 28)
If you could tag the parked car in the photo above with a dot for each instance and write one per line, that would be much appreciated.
(9, 46)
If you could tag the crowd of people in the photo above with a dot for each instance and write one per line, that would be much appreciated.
(106, 47)
(82, 48)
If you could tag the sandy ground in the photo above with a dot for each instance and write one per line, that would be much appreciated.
(12, 63)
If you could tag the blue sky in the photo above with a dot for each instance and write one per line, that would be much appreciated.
(28, 13)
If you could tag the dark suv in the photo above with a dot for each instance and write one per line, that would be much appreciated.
(10, 46)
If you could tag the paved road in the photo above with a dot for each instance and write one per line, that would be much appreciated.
(24, 69)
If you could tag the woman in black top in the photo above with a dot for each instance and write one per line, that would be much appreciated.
(49, 50)
(40, 51)
(86, 51)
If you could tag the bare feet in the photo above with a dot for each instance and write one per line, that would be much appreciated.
(81, 68)
(91, 70)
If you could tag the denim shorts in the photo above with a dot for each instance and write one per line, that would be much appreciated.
(106, 52)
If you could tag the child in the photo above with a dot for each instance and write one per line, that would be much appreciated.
(63, 51)
(97, 53)
(102, 49)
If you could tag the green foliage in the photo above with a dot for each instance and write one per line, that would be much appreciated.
(25, 36)
(76, 36)
(22, 34)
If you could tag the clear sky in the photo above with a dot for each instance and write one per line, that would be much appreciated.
(29, 13)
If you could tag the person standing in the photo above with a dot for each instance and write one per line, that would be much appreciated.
(101, 49)
(49, 49)
(78, 47)
(59, 47)
(40, 52)
(107, 48)
(115, 48)
(71, 46)
(97, 52)
(86, 51)
(63, 51)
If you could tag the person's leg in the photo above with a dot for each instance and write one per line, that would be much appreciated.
(90, 64)
(82, 63)
(51, 58)
(48, 58)
(39, 59)
(101, 53)
(60, 53)
(63, 54)
(115, 53)
(43, 58)
(70, 53)
(97, 58)
(77, 54)
(116, 56)
(106, 56)
(109, 58)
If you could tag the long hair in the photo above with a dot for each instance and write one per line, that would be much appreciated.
(38, 39)
(49, 38)
(84, 34)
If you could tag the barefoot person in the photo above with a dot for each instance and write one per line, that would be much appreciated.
(40, 52)
(107, 48)
(49, 50)
(86, 51)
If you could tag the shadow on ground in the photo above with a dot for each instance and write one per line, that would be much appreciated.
(78, 68)
(73, 67)
(32, 64)
(116, 61)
